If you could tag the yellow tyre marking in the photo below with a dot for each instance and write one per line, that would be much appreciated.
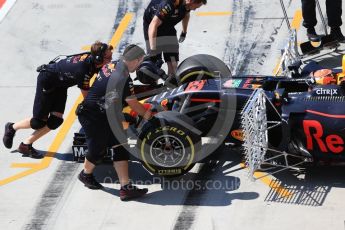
(197, 72)
(143, 156)
(193, 152)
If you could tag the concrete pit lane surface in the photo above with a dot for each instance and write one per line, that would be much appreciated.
(45, 193)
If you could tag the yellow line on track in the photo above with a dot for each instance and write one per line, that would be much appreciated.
(283, 192)
(115, 40)
(225, 13)
(276, 68)
(60, 136)
(297, 19)
(266, 179)
(86, 48)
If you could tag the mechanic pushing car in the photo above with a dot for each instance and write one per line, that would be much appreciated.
(112, 90)
(160, 18)
(51, 94)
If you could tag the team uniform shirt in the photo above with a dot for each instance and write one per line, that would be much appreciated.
(74, 70)
(170, 12)
(54, 80)
(113, 85)
(109, 91)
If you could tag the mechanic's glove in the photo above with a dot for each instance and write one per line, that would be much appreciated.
(182, 37)
(152, 53)
(159, 62)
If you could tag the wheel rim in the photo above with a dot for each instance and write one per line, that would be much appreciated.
(167, 151)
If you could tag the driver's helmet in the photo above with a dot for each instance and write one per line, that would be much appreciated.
(324, 77)
(150, 72)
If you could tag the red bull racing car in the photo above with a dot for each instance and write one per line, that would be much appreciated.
(280, 121)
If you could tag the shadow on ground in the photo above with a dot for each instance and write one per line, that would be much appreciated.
(328, 59)
(58, 156)
(212, 186)
(309, 187)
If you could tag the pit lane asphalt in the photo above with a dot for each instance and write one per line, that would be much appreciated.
(248, 40)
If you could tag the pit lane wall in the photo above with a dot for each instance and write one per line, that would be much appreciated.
(5, 6)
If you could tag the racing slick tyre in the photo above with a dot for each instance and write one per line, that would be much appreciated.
(168, 145)
(201, 67)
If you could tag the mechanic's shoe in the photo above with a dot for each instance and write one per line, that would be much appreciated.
(312, 35)
(89, 180)
(336, 34)
(8, 135)
(29, 151)
(129, 192)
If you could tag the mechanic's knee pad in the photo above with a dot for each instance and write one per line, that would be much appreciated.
(36, 123)
(95, 159)
(54, 122)
(120, 155)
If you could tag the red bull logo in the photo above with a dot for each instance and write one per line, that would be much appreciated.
(314, 133)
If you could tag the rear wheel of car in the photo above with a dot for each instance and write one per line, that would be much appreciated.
(167, 145)
(201, 67)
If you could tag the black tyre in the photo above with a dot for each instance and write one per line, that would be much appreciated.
(201, 67)
(168, 145)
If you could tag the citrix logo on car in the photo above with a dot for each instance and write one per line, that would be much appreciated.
(328, 92)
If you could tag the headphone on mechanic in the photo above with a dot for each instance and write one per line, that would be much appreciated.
(99, 56)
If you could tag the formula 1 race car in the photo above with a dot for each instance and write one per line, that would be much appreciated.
(289, 129)
(281, 121)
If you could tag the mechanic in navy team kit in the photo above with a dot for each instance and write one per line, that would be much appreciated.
(160, 18)
(110, 93)
(51, 94)
(333, 10)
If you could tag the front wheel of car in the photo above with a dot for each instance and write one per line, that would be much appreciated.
(168, 146)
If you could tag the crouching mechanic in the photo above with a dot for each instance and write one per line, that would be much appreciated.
(160, 18)
(100, 115)
(51, 94)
